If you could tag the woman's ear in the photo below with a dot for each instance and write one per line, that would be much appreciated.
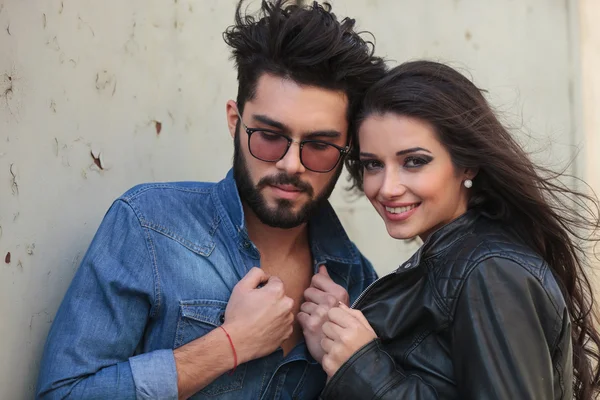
(470, 173)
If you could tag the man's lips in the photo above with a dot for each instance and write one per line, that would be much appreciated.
(285, 183)
(288, 188)
(288, 192)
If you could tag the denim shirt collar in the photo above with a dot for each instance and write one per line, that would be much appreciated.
(328, 239)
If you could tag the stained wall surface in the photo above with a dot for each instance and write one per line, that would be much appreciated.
(96, 97)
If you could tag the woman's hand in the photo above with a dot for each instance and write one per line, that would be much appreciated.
(345, 333)
(322, 295)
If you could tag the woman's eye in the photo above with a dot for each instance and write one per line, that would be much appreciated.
(415, 162)
(371, 165)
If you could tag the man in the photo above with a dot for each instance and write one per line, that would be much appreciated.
(168, 301)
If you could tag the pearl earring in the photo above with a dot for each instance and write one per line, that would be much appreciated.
(468, 183)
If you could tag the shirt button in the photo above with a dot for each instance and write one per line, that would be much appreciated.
(246, 244)
(408, 265)
(222, 318)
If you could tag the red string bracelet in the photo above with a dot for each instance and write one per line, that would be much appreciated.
(232, 348)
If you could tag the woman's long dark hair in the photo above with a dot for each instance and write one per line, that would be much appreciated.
(553, 219)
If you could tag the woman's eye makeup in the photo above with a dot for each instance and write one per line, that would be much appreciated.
(410, 162)
(370, 164)
(416, 161)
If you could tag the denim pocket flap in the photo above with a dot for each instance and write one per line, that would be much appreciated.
(210, 312)
(197, 318)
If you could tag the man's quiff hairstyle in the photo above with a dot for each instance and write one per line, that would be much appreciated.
(306, 44)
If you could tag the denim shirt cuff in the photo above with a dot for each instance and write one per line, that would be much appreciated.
(155, 375)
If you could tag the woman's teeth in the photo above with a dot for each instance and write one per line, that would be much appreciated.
(400, 210)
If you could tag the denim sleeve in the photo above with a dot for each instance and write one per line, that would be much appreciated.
(90, 348)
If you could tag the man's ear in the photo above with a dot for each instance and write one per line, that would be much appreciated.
(232, 117)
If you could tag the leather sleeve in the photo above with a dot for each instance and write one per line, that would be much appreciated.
(502, 338)
(372, 374)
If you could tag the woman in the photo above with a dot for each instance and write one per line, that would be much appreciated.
(496, 303)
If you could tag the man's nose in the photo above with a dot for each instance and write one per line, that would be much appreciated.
(291, 163)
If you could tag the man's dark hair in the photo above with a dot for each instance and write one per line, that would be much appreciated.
(306, 44)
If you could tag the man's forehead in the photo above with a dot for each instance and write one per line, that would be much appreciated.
(269, 86)
(299, 107)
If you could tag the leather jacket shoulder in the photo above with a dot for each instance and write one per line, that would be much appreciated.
(474, 314)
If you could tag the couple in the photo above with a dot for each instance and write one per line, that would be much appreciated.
(169, 303)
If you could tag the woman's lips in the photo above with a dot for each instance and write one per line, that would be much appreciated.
(400, 212)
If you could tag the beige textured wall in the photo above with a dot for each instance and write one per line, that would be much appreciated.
(589, 40)
(590, 77)
(144, 83)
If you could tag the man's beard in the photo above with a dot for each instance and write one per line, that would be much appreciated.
(282, 215)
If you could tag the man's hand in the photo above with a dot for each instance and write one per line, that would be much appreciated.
(258, 320)
(320, 297)
(345, 333)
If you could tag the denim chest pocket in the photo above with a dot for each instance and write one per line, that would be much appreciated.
(196, 319)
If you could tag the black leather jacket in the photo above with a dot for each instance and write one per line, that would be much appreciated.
(474, 314)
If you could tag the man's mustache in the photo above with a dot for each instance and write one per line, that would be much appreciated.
(283, 179)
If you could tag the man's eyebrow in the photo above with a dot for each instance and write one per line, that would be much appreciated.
(330, 133)
(271, 122)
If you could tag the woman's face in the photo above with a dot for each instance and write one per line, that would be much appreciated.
(409, 176)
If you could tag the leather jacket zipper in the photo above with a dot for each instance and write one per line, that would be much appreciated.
(369, 287)
(407, 264)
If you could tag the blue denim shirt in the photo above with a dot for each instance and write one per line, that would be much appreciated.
(157, 275)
